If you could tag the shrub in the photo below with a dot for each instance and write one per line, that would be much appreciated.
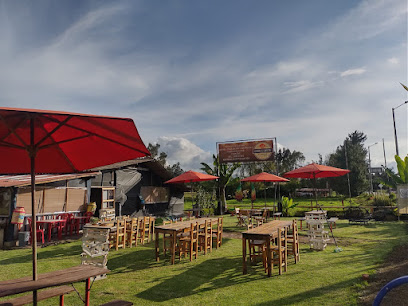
(382, 200)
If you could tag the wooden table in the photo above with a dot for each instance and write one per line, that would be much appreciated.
(51, 223)
(51, 279)
(173, 229)
(266, 232)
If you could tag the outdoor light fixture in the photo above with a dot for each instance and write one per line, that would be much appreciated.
(369, 167)
(395, 129)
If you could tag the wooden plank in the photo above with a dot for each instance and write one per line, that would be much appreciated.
(50, 279)
(41, 295)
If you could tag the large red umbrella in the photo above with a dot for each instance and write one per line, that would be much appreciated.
(264, 177)
(42, 141)
(313, 171)
(191, 176)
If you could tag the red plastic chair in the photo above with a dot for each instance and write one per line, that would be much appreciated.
(88, 216)
(73, 225)
(62, 226)
(39, 232)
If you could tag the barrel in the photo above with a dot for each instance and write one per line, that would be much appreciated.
(18, 216)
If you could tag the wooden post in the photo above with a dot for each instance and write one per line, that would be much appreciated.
(269, 255)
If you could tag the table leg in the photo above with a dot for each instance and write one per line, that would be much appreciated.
(87, 291)
(49, 231)
(173, 248)
(268, 255)
(156, 243)
(244, 267)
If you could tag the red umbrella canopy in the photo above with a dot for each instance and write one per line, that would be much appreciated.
(264, 177)
(191, 176)
(64, 142)
(316, 171)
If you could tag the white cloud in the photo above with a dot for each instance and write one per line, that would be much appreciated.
(349, 72)
(393, 60)
(184, 151)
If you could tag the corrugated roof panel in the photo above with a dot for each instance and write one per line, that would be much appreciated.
(25, 180)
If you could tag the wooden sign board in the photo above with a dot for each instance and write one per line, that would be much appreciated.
(246, 151)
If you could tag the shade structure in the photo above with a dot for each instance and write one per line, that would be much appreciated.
(64, 142)
(42, 141)
(264, 177)
(313, 171)
(190, 177)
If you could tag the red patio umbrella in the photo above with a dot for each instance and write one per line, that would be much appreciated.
(191, 176)
(43, 141)
(314, 171)
(264, 177)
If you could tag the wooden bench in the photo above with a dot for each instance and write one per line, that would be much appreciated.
(41, 295)
(332, 222)
(118, 303)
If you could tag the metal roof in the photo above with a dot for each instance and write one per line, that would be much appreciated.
(25, 180)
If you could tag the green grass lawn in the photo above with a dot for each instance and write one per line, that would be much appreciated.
(320, 278)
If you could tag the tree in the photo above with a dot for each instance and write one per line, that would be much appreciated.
(288, 160)
(224, 172)
(357, 164)
(161, 157)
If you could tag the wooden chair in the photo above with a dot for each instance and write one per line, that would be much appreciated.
(39, 232)
(293, 242)
(205, 237)
(242, 219)
(217, 233)
(132, 230)
(189, 243)
(145, 229)
(279, 253)
(262, 219)
(118, 239)
(166, 238)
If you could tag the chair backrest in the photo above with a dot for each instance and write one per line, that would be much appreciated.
(194, 231)
(265, 213)
(120, 226)
(220, 224)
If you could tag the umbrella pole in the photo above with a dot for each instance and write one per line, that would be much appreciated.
(265, 192)
(32, 154)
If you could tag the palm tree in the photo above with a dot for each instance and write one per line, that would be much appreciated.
(224, 172)
(402, 176)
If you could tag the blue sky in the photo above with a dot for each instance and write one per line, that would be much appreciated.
(193, 73)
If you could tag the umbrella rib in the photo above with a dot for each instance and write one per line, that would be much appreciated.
(48, 134)
(58, 148)
(106, 138)
(12, 131)
(100, 136)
